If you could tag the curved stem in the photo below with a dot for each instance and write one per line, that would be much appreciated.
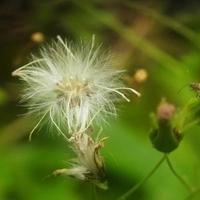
(189, 125)
(183, 115)
(135, 187)
(184, 183)
(192, 194)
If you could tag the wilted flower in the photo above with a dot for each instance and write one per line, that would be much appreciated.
(71, 86)
(88, 165)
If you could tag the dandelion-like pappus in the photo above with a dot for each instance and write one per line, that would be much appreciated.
(71, 87)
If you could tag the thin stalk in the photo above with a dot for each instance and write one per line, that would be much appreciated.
(191, 195)
(184, 183)
(183, 115)
(189, 125)
(135, 187)
(94, 192)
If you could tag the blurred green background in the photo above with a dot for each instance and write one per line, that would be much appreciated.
(160, 37)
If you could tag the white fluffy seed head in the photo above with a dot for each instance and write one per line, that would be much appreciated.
(71, 85)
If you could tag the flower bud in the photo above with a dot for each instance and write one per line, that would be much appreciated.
(165, 111)
(37, 37)
(164, 136)
(140, 76)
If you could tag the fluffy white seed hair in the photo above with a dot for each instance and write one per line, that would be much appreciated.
(70, 86)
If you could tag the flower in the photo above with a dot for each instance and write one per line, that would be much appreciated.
(88, 165)
(71, 85)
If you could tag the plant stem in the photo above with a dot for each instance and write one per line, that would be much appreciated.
(182, 116)
(192, 194)
(186, 185)
(135, 187)
(94, 192)
(189, 125)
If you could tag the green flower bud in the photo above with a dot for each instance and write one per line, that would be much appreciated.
(164, 136)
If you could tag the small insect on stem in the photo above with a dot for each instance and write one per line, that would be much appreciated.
(195, 87)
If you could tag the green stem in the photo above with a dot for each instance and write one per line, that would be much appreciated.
(135, 187)
(94, 192)
(191, 195)
(182, 116)
(184, 183)
(189, 125)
